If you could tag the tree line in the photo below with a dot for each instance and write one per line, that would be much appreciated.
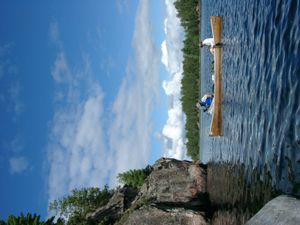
(188, 12)
(73, 208)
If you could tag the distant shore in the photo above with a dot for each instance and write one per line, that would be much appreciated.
(189, 12)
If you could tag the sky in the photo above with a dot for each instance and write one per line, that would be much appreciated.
(87, 90)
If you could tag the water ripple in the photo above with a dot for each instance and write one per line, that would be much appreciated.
(261, 83)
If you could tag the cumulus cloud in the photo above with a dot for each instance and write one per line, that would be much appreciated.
(18, 164)
(173, 131)
(174, 39)
(76, 147)
(130, 132)
(80, 154)
(164, 51)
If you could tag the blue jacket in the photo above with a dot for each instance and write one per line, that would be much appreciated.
(207, 102)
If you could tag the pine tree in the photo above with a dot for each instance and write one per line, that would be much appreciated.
(134, 178)
(79, 203)
(190, 83)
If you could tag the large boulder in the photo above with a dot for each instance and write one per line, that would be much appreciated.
(152, 216)
(176, 183)
(283, 210)
(173, 193)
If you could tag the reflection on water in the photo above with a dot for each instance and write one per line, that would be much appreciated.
(261, 90)
(234, 199)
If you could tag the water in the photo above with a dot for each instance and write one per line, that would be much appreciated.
(261, 89)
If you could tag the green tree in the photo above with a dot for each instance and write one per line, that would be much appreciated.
(188, 12)
(79, 203)
(134, 178)
(30, 219)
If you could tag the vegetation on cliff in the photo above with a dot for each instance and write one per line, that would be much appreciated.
(76, 206)
(30, 219)
(134, 178)
(188, 12)
(79, 203)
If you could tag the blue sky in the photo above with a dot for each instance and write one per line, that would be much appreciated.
(88, 90)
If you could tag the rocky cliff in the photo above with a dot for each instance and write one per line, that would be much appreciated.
(174, 193)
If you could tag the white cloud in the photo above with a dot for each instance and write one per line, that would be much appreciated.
(173, 130)
(76, 146)
(131, 130)
(164, 53)
(18, 164)
(80, 154)
(76, 149)
(174, 38)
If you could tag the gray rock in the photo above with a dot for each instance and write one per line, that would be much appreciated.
(283, 210)
(176, 183)
(113, 210)
(173, 193)
(152, 216)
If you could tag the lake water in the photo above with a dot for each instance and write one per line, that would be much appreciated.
(261, 89)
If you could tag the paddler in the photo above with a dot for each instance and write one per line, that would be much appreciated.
(205, 102)
(210, 43)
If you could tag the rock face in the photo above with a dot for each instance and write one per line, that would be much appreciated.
(173, 193)
(283, 210)
(114, 209)
(176, 183)
(153, 216)
(176, 194)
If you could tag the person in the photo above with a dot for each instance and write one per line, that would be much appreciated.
(205, 102)
(211, 43)
(208, 42)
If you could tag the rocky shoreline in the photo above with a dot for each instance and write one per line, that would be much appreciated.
(185, 192)
(175, 192)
